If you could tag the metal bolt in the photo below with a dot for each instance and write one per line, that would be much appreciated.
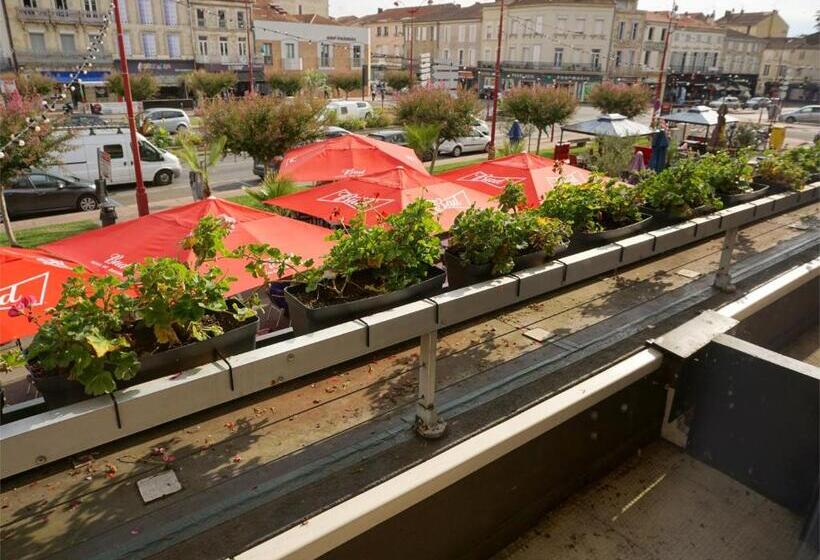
(291, 358)
(40, 460)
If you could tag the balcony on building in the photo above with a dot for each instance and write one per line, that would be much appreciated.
(65, 16)
(92, 17)
(587, 67)
(653, 45)
(60, 58)
(33, 14)
(695, 68)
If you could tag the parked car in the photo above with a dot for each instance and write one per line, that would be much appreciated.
(481, 125)
(758, 103)
(350, 109)
(807, 114)
(392, 136)
(39, 191)
(476, 141)
(159, 167)
(328, 131)
(730, 101)
(172, 120)
(79, 119)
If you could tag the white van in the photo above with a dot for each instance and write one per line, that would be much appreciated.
(159, 167)
(350, 109)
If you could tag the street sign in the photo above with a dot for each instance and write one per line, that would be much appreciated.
(104, 164)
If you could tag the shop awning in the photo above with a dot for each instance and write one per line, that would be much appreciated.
(90, 78)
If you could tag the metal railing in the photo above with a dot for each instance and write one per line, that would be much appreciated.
(87, 17)
(33, 14)
(60, 58)
(690, 68)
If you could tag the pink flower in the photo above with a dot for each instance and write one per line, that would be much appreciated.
(14, 311)
(28, 301)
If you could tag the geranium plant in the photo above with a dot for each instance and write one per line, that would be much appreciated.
(678, 190)
(727, 174)
(782, 171)
(596, 205)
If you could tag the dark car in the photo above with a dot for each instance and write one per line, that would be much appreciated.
(398, 137)
(36, 191)
(83, 120)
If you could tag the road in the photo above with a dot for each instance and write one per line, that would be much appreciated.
(232, 173)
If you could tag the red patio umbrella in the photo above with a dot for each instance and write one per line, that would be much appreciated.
(160, 235)
(383, 194)
(346, 156)
(34, 275)
(537, 174)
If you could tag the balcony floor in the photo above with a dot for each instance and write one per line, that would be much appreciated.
(290, 440)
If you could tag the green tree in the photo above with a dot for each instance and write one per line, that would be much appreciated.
(435, 106)
(314, 80)
(201, 162)
(551, 106)
(29, 84)
(262, 126)
(345, 81)
(40, 146)
(397, 80)
(287, 83)
(628, 100)
(422, 138)
(209, 84)
(143, 85)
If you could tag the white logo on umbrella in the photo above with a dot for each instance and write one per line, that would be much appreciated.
(353, 172)
(455, 201)
(488, 179)
(355, 200)
(11, 294)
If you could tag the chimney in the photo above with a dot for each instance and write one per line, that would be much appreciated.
(741, 10)
(380, 10)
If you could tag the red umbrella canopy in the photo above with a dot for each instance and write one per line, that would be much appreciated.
(29, 278)
(537, 174)
(346, 156)
(383, 194)
(160, 235)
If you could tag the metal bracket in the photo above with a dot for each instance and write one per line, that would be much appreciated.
(230, 368)
(428, 423)
(723, 277)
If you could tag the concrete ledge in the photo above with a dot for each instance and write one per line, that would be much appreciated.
(706, 226)
(785, 201)
(636, 248)
(42, 438)
(400, 324)
(674, 236)
(472, 301)
(736, 216)
(587, 264)
(809, 194)
(540, 280)
(764, 207)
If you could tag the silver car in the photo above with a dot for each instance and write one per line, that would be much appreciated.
(807, 114)
(172, 120)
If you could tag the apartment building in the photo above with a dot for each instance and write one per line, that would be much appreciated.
(53, 36)
(564, 43)
(298, 43)
(656, 26)
(742, 54)
(757, 24)
(296, 7)
(458, 38)
(6, 56)
(790, 68)
(627, 42)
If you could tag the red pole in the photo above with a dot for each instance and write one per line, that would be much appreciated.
(412, 36)
(491, 146)
(251, 47)
(142, 196)
(661, 75)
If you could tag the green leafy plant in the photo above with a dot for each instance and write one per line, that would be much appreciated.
(143, 85)
(745, 135)
(379, 119)
(209, 84)
(422, 138)
(158, 136)
(10, 359)
(397, 80)
(286, 83)
(201, 162)
(351, 124)
(345, 81)
(512, 198)
(596, 205)
(273, 186)
(497, 236)
(610, 155)
(727, 174)
(509, 148)
(539, 106)
(627, 100)
(679, 189)
(806, 156)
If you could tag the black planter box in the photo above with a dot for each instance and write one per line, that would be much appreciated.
(59, 391)
(732, 199)
(304, 319)
(460, 274)
(664, 218)
(616, 233)
(776, 187)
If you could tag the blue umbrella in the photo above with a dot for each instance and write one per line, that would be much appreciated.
(660, 143)
(516, 134)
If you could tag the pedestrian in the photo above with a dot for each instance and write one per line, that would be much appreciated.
(382, 89)
(372, 93)
(516, 135)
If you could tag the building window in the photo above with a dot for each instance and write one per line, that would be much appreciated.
(149, 45)
(267, 53)
(663, 34)
(378, 31)
(203, 45)
(634, 34)
(67, 44)
(580, 25)
(650, 34)
(525, 54)
(223, 46)
(446, 54)
(200, 17)
(489, 33)
(324, 55)
(120, 5)
(618, 58)
(562, 24)
(240, 19)
(169, 12)
(174, 50)
(145, 13)
(714, 59)
(596, 58)
(621, 25)
(356, 53)
(558, 59)
(487, 54)
(539, 25)
(29, 3)
(126, 42)
(222, 19)
(512, 53)
(290, 51)
(599, 26)
(242, 47)
(646, 58)
(90, 5)
(37, 42)
(461, 57)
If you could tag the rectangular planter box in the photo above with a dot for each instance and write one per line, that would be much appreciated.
(400, 324)
(706, 226)
(540, 280)
(764, 207)
(472, 301)
(736, 216)
(785, 201)
(636, 248)
(675, 236)
(587, 264)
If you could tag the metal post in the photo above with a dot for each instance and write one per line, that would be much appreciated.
(659, 90)
(723, 278)
(142, 196)
(251, 45)
(491, 146)
(428, 423)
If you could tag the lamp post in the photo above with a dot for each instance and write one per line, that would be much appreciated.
(142, 196)
(659, 90)
(251, 45)
(491, 146)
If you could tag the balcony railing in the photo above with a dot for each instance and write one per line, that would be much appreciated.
(694, 68)
(543, 66)
(65, 16)
(60, 58)
(90, 17)
(87, 17)
(32, 14)
(653, 45)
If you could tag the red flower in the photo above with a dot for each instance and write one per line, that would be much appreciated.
(15, 311)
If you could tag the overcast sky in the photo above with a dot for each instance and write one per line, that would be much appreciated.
(797, 13)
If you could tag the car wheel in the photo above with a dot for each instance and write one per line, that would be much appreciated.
(181, 128)
(87, 203)
(790, 120)
(163, 177)
(457, 151)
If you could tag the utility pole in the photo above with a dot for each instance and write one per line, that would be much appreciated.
(142, 196)
(251, 46)
(659, 90)
(491, 146)
(412, 37)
